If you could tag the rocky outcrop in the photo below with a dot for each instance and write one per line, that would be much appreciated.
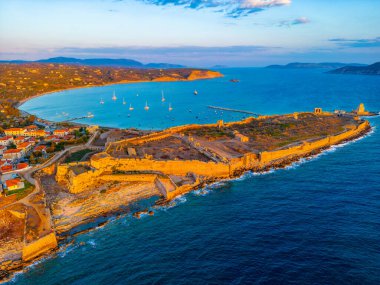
(203, 74)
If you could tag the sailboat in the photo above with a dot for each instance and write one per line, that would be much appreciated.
(162, 96)
(114, 96)
(124, 102)
(146, 106)
(101, 101)
(195, 92)
(130, 107)
(170, 107)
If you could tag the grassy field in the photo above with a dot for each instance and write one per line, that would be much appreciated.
(77, 156)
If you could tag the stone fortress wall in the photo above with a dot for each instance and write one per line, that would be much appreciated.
(267, 157)
(102, 165)
(39, 246)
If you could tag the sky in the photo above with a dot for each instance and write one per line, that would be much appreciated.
(193, 32)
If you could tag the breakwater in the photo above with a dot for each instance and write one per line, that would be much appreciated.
(232, 110)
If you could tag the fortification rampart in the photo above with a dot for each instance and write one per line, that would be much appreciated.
(39, 247)
(103, 164)
(267, 157)
(129, 177)
(175, 167)
(170, 131)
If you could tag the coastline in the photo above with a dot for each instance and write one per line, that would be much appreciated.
(277, 165)
(120, 212)
(23, 101)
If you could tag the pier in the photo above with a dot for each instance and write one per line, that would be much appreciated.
(233, 110)
(78, 118)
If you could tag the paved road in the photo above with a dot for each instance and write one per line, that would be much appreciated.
(28, 173)
(44, 212)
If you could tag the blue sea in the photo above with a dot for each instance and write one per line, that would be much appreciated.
(315, 222)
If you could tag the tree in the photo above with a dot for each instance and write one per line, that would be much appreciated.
(59, 146)
(77, 134)
(31, 119)
(37, 153)
(11, 146)
(50, 149)
(32, 159)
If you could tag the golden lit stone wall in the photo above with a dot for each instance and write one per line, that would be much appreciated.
(129, 177)
(170, 131)
(266, 157)
(103, 164)
(176, 167)
(39, 247)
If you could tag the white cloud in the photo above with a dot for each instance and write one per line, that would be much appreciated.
(232, 8)
(261, 4)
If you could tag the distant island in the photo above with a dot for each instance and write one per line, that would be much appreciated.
(120, 62)
(325, 65)
(373, 69)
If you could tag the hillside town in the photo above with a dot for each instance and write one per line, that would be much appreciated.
(24, 147)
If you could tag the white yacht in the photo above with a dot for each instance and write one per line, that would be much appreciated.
(130, 107)
(162, 96)
(114, 96)
(170, 107)
(146, 108)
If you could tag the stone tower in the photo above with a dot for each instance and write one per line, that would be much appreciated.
(361, 110)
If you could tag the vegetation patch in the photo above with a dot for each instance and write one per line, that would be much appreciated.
(77, 156)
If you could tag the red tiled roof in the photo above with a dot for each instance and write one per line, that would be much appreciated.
(5, 138)
(12, 182)
(13, 130)
(40, 147)
(12, 150)
(24, 145)
(60, 131)
(6, 168)
(31, 127)
(22, 165)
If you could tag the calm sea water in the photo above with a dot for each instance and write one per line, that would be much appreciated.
(317, 222)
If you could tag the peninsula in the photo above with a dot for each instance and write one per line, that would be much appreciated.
(308, 65)
(76, 191)
(373, 69)
(78, 177)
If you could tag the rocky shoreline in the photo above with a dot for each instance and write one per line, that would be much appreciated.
(79, 210)
(7, 269)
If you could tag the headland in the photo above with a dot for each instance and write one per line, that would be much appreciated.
(131, 166)
(106, 172)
